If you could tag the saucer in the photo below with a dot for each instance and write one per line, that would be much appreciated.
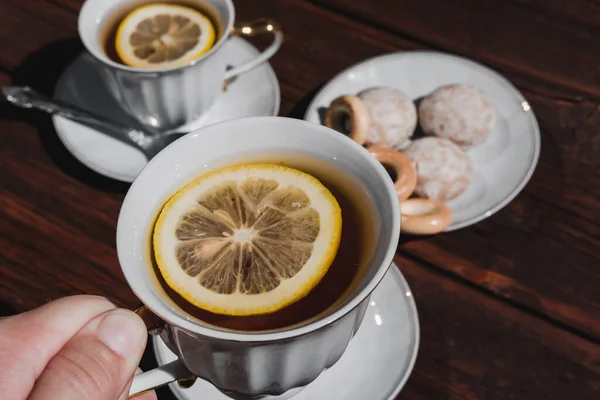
(255, 93)
(502, 164)
(379, 358)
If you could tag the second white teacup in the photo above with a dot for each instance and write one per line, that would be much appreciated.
(167, 99)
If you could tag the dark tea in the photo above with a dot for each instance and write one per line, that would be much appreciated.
(156, 34)
(357, 243)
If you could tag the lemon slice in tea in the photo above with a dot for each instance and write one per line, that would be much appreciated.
(249, 239)
(163, 36)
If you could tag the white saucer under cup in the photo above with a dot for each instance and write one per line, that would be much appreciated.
(502, 164)
(255, 93)
(376, 364)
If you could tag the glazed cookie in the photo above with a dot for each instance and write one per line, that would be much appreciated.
(393, 116)
(443, 169)
(457, 112)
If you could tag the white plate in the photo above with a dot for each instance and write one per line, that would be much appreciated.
(503, 163)
(376, 363)
(253, 94)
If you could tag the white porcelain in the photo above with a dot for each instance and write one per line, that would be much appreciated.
(167, 99)
(379, 359)
(253, 94)
(261, 363)
(502, 164)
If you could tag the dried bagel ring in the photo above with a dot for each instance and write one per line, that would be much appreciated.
(424, 216)
(404, 170)
(350, 116)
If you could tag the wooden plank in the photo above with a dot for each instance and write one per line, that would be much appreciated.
(58, 232)
(547, 41)
(568, 173)
(474, 347)
(27, 27)
(53, 247)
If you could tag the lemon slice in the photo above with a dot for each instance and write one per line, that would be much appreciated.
(163, 36)
(248, 239)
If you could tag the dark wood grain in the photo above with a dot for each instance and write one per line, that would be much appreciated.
(58, 234)
(27, 27)
(542, 40)
(509, 308)
(474, 347)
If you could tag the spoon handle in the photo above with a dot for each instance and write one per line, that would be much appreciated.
(26, 97)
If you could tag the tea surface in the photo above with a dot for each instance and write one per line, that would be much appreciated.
(356, 246)
(108, 33)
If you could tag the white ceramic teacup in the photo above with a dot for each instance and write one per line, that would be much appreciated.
(169, 99)
(252, 364)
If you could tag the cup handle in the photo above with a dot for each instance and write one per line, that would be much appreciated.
(254, 28)
(157, 377)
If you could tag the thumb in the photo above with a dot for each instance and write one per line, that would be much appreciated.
(98, 362)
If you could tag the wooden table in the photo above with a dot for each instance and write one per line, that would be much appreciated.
(509, 308)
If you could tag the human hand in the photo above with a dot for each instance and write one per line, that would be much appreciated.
(78, 347)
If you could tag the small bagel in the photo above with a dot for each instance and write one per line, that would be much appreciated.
(350, 116)
(406, 175)
(424, 216)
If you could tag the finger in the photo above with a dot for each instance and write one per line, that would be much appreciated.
(28, 341)
(98, 362)
(150, 395)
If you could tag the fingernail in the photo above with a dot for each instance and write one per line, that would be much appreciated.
(122, 331)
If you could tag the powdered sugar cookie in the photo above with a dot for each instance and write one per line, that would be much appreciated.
(443, 169)
(457, 112)
(393, 116)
